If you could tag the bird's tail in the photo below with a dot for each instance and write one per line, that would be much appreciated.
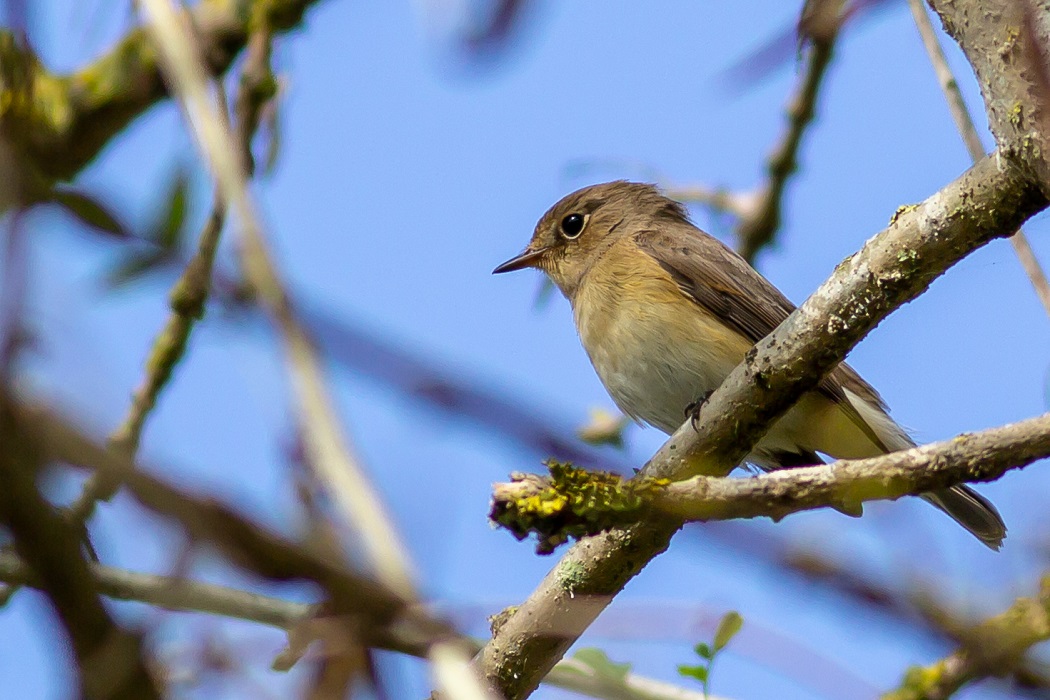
(962, 504)
(971, 510)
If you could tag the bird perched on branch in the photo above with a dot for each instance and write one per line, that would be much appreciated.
(665, 312)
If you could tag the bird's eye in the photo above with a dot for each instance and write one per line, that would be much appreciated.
(572, 225)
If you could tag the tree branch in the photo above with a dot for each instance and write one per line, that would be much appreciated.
(195, 596)
(552, 506)
(968, 131)
(992, 648)
(173, 594)
(970, 457)
(759, 212)
(59, 123)
(1001, 53)
(189, 295)
(244, 543)
(757, 230)
(110, 660)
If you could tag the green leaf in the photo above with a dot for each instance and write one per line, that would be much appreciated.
(90, 212)
(135, 266)
(703, 650)
(697, 672)
(727, 629)
(167, 227)
(602, 666)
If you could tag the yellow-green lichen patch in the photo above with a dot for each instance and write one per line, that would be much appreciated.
(570, 502)
(901, 211)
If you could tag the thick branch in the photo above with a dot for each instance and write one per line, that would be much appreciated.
(60, 123)
(968, 130)
(1005, 51)
(110, 660)
(988, 201)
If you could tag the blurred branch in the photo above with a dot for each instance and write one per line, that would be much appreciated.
(893, 267)
(195, 596)
(757, 230)
(14, 260)
(495, 31)
(964, 123)
(327, 449)
(992, 648)
(577, 676)
(187, 301)
(59, 123)
(174, 594)
(575, 503)
(895, 594)
(190, 293)
(110, 661)
(758, 213)
(244, 543)
(422, 378)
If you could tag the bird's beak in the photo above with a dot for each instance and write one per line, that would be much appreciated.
(526, 259)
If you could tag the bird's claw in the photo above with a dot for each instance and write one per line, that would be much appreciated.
(692, 411)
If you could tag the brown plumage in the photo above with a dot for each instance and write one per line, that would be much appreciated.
(666, 311)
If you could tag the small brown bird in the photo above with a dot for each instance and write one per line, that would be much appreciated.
(665, 312)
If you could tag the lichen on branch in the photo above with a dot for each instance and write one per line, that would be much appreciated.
(58, 123)
(570, 503)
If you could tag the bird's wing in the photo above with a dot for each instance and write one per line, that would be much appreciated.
(716, 278)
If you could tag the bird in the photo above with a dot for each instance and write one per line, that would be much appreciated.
(665, 312)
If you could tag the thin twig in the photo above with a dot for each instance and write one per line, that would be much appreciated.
(327, 448)
(719, 199)
(758, 212)
(187, 301)
(972, 139)
(175, 594)
(992, 648)
(970, 457)
(185, 595)
(757, 231)
(189, 295)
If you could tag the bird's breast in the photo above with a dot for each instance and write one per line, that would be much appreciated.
(654, 349)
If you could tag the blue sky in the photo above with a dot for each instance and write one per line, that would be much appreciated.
(404, 177)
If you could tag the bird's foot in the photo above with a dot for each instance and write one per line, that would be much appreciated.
(692, 411)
